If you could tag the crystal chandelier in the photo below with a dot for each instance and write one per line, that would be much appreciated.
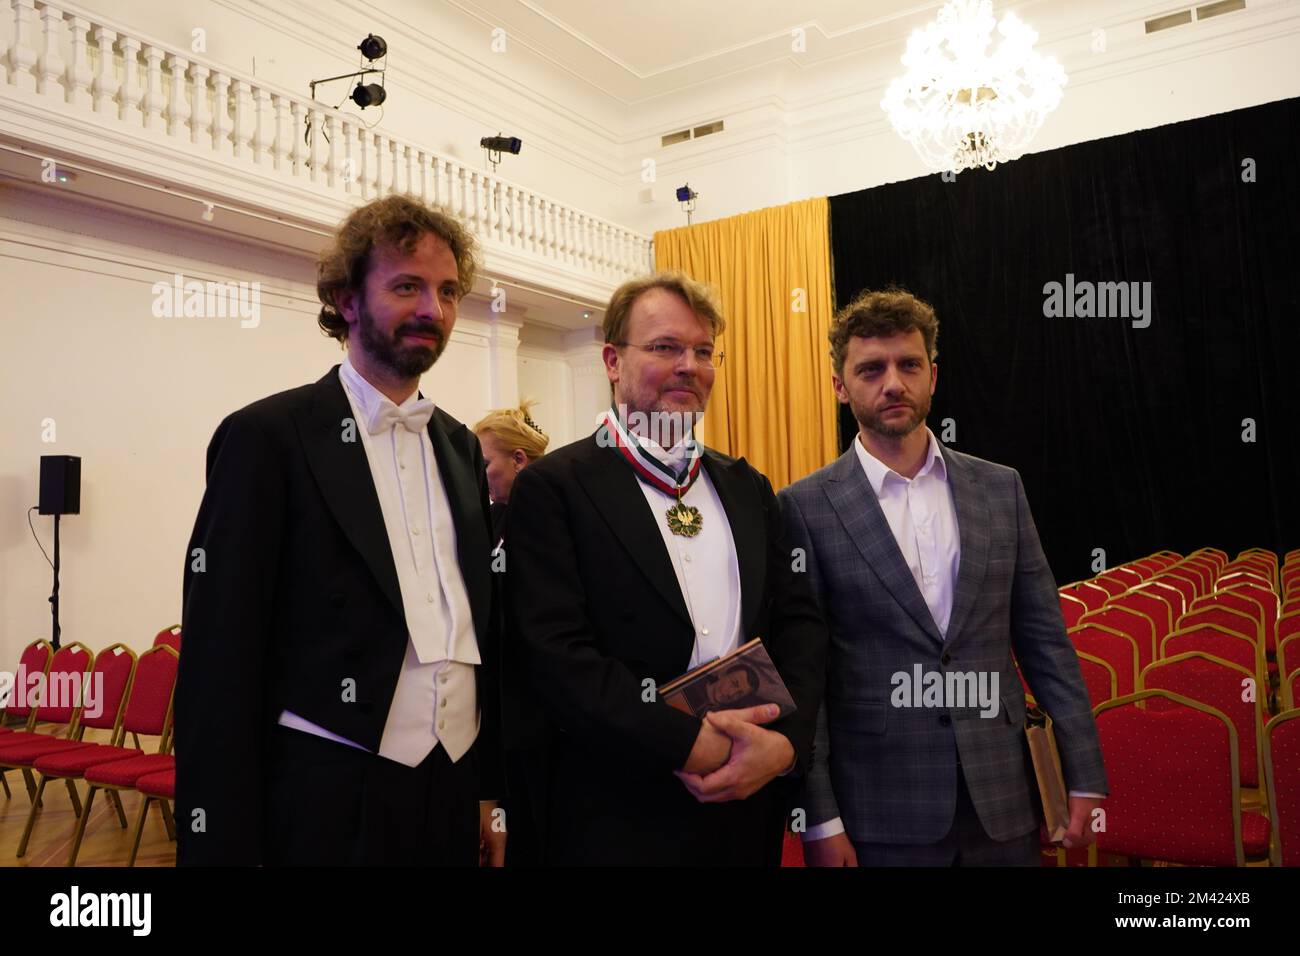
(962, 105)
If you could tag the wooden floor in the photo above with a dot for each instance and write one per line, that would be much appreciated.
(105, 842)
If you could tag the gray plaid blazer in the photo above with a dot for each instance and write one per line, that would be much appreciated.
(890, 772)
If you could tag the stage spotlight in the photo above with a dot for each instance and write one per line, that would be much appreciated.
(496, 145)
(373, 47)
(687, 196)
(369, 94)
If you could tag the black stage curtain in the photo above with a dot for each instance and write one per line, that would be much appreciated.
(1128, 439)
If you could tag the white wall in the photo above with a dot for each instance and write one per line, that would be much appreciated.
(138, 397)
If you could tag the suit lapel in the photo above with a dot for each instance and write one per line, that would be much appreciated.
(463, 496)
(973, 529)
(744, 510)
(854, 501)
(614, 490)
(343, 474)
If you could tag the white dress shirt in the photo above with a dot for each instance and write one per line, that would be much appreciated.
(708, 572)
(435, 700)
(923, 519)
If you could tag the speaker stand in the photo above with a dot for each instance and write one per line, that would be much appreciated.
(54, 596)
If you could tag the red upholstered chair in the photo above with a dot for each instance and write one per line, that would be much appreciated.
(1243, 575)
(1291, 690)
(1129, 575)
(1261, 554)
(1087, 592)
(1175, 790)
(1149, 567)
(1156, 608)
(791, 849)
(1134, 623)
(1266, 600)
(1212, 555)
(1162, 590)
(1196, 575)
(1288, 645)
(1209, 565)
(171, 636)
(1225, 617)
(111, 676)
(1071, 609)
(1291, 605)
(1239, 602)
(1111, 585)
(1114, 647)
(1221, 684)
(161, 786)
(149, 712)
(1099, 677)
(35, 659)
(58, 702)
(1177, 581)
(1282, 771)
(1214, 640)
(1290, 578)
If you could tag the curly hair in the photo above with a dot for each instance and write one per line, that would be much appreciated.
(395, 220)
(883, 313)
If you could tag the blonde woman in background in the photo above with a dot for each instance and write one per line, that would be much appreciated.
(511, 441)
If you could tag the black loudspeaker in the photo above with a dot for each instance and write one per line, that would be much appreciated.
(60, 485)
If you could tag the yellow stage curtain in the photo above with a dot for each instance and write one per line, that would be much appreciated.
(772, 400)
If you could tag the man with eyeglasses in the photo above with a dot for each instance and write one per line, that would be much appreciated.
(639, 554)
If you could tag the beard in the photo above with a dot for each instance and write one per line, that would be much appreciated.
(872, 421)
(406, 360)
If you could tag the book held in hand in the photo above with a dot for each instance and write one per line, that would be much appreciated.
(744, 678)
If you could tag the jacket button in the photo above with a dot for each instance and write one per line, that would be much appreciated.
(944, 720)
(946, 659)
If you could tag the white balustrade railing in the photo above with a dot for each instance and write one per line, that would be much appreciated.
(66, 55)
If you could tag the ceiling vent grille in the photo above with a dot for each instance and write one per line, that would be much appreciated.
(1183, 17)
(682, 135)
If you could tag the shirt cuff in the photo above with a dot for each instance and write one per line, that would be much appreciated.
(823, 830)
(1084, 793)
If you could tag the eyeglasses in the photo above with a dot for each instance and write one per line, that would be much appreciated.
(672, 352)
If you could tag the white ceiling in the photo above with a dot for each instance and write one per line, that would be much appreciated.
(634, 50)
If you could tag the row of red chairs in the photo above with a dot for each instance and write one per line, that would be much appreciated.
(132, 695)
(1205, 632)
(1175, 769)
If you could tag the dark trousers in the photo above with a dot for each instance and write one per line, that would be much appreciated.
(328, 804)
(966, 844)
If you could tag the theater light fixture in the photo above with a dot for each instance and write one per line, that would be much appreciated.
(965, 102)
(498, 144)
(687, 196)
(370, 94)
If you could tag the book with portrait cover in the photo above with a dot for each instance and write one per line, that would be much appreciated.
(744, 678)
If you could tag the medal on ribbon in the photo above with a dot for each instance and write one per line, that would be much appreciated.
(683, 519)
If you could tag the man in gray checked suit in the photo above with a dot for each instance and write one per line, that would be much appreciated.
(930, 575)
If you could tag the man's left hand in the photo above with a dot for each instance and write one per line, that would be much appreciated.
(1080, 831)
(757, 756)
(491, 835)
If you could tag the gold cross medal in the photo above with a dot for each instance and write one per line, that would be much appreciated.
(684, 519)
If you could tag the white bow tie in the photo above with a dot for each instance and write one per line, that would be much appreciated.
(414, 417)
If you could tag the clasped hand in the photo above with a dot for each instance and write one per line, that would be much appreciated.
(733, 757)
